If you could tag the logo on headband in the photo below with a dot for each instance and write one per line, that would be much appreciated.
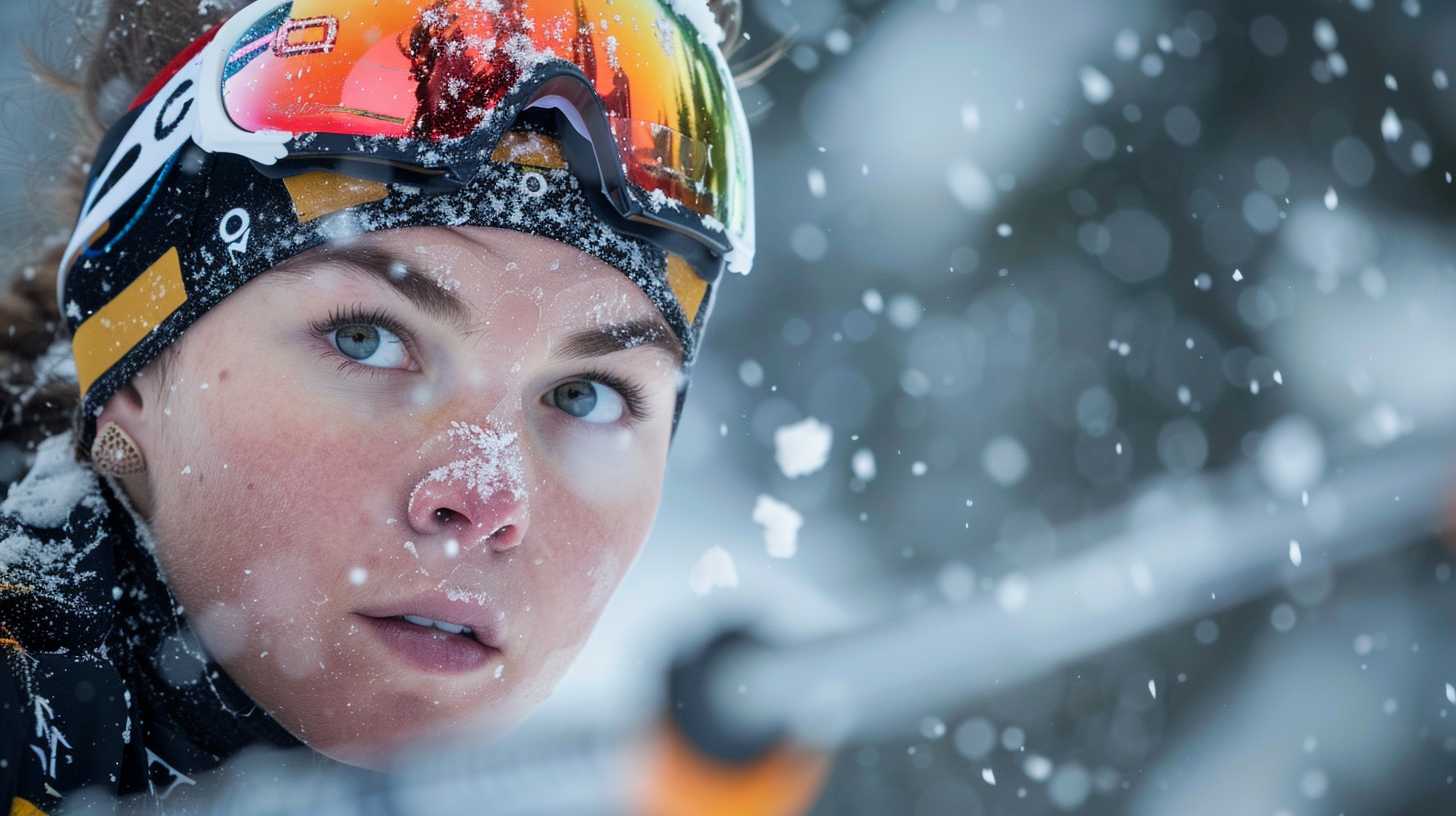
(234, 230)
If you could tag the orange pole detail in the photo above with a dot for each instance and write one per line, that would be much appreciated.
(676, 780)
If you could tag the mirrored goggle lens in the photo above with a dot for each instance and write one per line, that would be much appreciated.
(436, 71)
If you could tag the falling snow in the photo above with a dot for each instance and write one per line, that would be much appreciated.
(780, 524)
(803, 447)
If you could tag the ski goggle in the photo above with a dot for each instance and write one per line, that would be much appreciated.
(419, 92)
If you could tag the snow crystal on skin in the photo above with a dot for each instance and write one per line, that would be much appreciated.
(780, 524)
(496, 465)
(802, 448)
(54, 486)
(608, 309)
(443, 278)
(461, 594)
(713, 569)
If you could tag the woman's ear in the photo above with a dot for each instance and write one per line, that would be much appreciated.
(135, 416)
(126, 408)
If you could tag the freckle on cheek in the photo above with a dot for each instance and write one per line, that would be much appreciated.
(222, 375)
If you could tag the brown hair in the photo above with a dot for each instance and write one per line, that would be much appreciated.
(131, 44)
(123, 50)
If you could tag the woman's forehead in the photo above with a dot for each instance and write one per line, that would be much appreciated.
(467, 274)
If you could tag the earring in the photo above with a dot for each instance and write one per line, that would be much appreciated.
(116, 453)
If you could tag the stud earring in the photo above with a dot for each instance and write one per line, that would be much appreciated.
(116, 453)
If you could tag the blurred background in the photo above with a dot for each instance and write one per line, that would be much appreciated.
(1048, 274)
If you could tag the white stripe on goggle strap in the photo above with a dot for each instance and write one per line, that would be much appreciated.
(157, 133)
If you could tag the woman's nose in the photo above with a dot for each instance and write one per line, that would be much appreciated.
(439, 510)
(476, 496)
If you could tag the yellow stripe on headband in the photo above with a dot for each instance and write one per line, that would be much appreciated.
(321, 193)
(129, 317)
(686, 286)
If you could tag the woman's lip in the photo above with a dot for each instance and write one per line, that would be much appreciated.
(431, 649)
(482, 620)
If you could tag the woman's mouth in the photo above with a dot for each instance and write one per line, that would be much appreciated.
(444, 626)
(432, 645)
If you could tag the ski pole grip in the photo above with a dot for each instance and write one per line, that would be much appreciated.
(698, 761)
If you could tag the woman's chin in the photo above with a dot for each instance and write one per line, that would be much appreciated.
(380, 750)
(360, 755)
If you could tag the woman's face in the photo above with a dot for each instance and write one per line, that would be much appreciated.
(467, 426)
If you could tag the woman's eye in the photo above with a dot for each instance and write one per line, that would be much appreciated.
(589, 401)
(362, 343)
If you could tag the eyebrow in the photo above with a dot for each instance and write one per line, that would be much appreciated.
(443, 305)
(648, 332)
(394, 270)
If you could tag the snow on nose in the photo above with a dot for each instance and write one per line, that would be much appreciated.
(485, 485)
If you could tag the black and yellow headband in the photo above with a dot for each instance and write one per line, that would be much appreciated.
(206, 223)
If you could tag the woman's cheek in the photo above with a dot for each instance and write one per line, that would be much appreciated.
(261, 546)
(595, 516)
(599, 465)
(603, 495)
(272, 436)
(242, 510)
(575, 581)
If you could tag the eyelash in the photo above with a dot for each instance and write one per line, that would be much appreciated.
(634, 396)
(355, 316)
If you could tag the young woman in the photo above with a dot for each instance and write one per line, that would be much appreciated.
(379, 314)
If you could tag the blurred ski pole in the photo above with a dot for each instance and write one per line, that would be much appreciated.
(749, 725)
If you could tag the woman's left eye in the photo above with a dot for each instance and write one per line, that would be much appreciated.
(589, 401)
(369, 345)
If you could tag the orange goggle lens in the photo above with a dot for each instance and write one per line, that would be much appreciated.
(433, 73)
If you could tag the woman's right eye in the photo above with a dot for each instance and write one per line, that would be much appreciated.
(362, 342)
(589, 401)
